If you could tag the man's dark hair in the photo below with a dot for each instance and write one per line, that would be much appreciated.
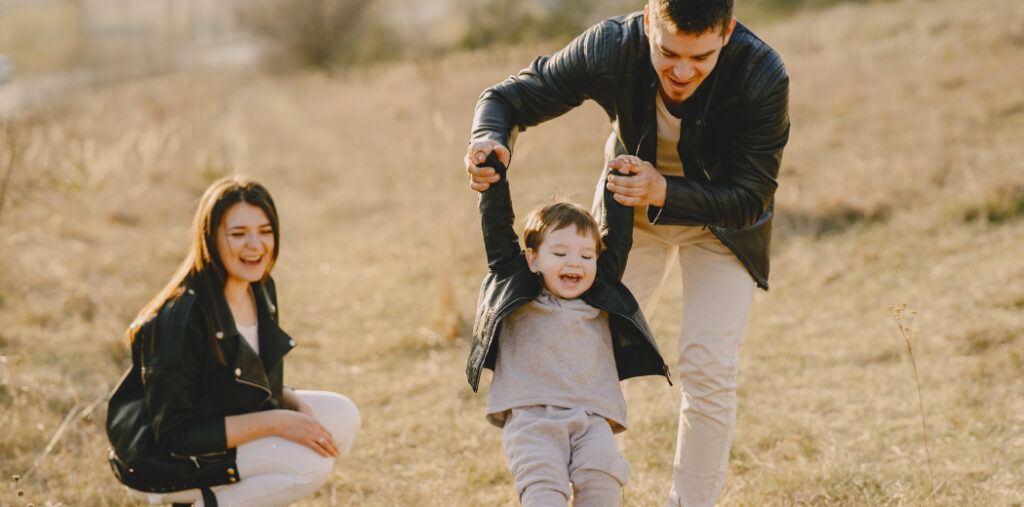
(694, 16)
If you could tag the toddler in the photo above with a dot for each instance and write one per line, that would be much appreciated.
(559, 330)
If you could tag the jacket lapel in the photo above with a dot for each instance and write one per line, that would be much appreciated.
(249, 366)
(274, 342)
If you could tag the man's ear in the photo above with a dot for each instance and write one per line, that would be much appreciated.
(647, 21)
(531, 259)
(728, 31)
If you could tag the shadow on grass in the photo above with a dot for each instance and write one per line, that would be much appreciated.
(829, 221)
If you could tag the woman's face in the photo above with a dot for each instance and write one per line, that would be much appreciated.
(245, 241)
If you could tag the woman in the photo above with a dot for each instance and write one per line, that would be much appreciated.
(202, 416)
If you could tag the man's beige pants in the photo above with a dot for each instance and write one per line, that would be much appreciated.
(717, 291)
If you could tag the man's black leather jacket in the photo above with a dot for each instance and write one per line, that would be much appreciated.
(510, 284)
(734, 127)
(165, 422)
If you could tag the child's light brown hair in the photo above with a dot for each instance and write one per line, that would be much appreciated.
(559, 215)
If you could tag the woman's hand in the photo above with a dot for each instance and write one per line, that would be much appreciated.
(299, 427)
(304, 429)
(644, 185)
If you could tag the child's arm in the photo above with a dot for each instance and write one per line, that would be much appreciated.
(616, 230)
(498, 219)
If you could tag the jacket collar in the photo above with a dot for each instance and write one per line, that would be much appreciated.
(274, 342)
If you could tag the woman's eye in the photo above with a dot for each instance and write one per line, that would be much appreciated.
(237, 234)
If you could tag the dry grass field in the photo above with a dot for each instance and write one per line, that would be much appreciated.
(903, 184)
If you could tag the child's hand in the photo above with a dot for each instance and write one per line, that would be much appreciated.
(639, 184)
(480, 178)
(625, 163)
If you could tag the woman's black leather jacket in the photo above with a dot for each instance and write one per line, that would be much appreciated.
(165, 422)
(733, 130)
(509, 284)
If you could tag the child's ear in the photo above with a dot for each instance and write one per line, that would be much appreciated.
(531, 259)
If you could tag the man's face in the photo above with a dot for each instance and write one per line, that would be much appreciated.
(682, 60)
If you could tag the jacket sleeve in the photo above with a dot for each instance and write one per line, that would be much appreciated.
(551, 86)
(751, 160)
(172, 387)
(497, 220)
(616, 232)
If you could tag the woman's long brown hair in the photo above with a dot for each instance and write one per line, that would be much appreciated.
(203, 267)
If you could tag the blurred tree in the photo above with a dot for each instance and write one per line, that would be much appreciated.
(513, 22)
(315, 33)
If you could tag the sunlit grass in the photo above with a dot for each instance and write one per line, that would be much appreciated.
(895, 137)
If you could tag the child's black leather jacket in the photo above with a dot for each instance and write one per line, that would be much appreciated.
(510, 284)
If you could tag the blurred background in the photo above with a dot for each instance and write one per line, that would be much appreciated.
(94, 40)
(884, 367)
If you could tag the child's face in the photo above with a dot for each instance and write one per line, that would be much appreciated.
(567, 261)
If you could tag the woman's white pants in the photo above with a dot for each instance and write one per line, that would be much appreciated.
(275, 471)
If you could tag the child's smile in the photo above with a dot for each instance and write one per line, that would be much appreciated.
(566, 260)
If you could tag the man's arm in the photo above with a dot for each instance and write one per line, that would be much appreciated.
(751, 160)
(549, 87)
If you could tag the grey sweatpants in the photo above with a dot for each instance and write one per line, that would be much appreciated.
(550, 447)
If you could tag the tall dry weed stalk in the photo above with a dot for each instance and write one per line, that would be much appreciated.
(17, 487)
(905, 326)
(7, 156)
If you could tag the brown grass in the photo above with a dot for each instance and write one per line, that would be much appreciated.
(908, 112)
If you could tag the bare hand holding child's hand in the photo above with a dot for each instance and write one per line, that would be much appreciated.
(480, 178)
(643, 186)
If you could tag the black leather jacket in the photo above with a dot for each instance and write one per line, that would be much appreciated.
(165, 422)
(734, 127)
(509, 284)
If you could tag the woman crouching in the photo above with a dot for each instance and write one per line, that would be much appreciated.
(202, 416)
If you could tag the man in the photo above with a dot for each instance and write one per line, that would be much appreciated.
(703, 105)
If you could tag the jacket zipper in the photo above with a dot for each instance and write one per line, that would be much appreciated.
(241, 380)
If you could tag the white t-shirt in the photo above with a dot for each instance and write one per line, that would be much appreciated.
(251, 335)
(668, 138)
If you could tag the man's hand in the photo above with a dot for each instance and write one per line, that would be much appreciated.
(480, 178)
(644, 185)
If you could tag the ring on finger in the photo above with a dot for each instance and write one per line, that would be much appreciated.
(320, 439)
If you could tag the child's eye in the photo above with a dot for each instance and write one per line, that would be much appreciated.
(587, 257)
(558, 254)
